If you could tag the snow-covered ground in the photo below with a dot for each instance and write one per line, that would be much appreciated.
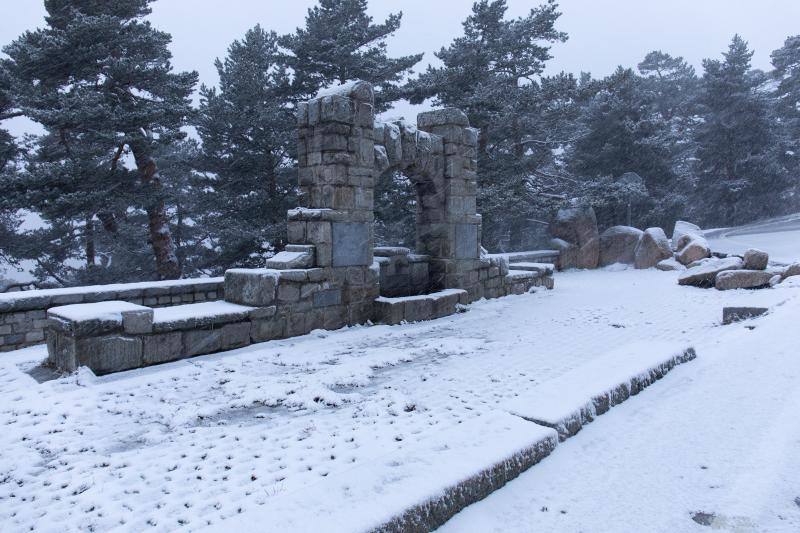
(778, 236)
(716, 443)
(231, 436)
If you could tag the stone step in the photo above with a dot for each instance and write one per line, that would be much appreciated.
(542, 268)
(574, 399)
(415, 308)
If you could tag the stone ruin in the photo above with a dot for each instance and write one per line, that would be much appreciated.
(331, 275)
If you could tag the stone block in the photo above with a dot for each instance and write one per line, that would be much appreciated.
(466, 241)
(288, 292)
(104, 355)
(267, 329)
(138, 321)
(202, 341)
(235, 335)
(416, 309)
(352, 244)
(388, 311)
(735, 314)
(755, 259)
(256, 287)
(162, 348)
(328, 298)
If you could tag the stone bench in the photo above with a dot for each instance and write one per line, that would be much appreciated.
(115, 336)
(415, 308)
(23, 314)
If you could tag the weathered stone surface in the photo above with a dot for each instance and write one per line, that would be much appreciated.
(755, 259)
(466, 245)
(693, 249)
(442, 117)
(669, 264)
(162, 348)
(137, 321)
(255, 287)
(235, 335)
(578, 226)
(328, 298)
(705, 275)
(652, 248)
(567, 254)
(202, 341)
(352, 244)
(791, 270)
(618, 245)
(742, 279)
(289, 260)
(683, 228)
(735, 314)
(104, 355)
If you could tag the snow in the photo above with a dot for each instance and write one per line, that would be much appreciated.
(12, 296)
(563, 399)
(196, 311)
(718, 436)
(110, 311)
(780, 237)
(364, 418)
(418, 297)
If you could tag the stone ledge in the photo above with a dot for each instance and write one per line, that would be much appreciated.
(399, 309)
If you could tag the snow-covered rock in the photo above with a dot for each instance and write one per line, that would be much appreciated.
(618, 245)
(683, 228)
(578, 226)
(653, 247)
(695, 249)
(742, 279)
(791, 270)
(705, 275)
(755, 259)
(669, 265)
(568, 254)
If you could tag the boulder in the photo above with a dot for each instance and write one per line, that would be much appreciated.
(742, 279)
(669, 264)
(568, 254)
(618, 245)
(705, 275)
(652, 248)
(693, 248)
(578, 226)
(755, 259)
(684, 228)
(791, 270)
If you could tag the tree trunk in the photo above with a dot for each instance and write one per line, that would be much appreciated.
(167, 265)
(89, 245)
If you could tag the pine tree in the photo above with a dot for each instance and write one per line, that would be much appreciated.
(340, 43)
(98, 78)
(248, 131)
(786, 61)
(494, 73)
(740, 177)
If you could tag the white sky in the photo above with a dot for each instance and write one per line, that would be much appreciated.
(602, 33)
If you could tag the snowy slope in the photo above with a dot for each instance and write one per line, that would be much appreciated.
(196, 442)
(780, 237)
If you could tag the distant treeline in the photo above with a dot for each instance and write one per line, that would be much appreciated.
(125, 194)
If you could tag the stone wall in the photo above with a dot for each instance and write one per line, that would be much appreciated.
(402, 273)
(23, 314)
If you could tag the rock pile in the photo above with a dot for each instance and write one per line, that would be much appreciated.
(575, 234)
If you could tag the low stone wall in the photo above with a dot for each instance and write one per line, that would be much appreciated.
(23, 314)
(402, 273)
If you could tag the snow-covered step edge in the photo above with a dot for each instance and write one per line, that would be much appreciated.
(574, 399)
(418, 489)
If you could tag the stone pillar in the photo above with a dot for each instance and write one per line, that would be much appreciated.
(453, 239)
(336, 157)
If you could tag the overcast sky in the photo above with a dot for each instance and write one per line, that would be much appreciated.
(602, 33)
